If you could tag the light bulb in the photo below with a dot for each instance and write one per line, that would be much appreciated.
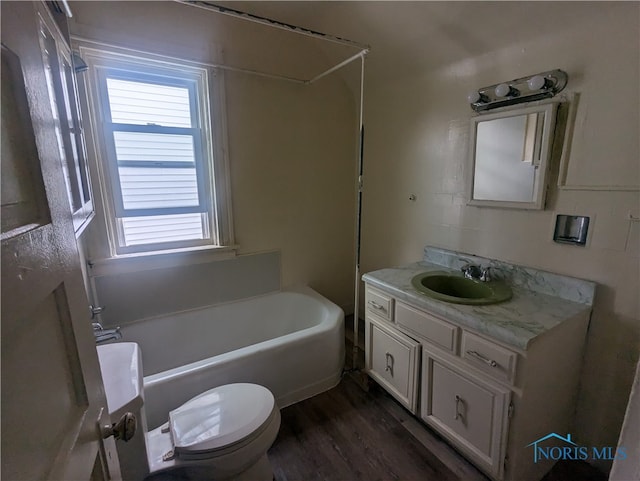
(538, 82)
(474, 97)
(503, 90)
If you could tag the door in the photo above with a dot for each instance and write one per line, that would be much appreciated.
(53, 400)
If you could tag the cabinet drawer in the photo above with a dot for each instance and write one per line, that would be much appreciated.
(495, 360)
(379, 303)
(391, 358)
(470, 412)
(439, 332)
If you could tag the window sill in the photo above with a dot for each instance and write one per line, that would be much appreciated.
(141, 261)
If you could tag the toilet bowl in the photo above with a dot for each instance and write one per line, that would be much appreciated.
(222, 434)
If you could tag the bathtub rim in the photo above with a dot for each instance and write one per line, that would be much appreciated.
(296, 288)
(333, 317)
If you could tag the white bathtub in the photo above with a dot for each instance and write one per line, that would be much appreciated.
(291, 341)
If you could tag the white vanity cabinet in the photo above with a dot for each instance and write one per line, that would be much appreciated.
(485, 396)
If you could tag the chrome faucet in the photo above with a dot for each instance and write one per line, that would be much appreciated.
(95, 310)
(476, 273)
(103, 335)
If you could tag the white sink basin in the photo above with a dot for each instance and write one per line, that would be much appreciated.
(121, 367)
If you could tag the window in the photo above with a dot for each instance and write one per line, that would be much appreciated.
(160, 164)
(67, 126)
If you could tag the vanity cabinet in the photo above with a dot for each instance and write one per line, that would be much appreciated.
(486, 397)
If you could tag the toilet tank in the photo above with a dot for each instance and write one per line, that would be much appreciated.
(121, 368)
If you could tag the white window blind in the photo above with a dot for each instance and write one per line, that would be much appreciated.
(163, 228)
(145, 103)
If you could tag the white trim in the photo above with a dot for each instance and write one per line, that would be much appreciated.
(218, 144)
(143, 261)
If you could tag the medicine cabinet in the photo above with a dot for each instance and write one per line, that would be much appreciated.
(509, 157)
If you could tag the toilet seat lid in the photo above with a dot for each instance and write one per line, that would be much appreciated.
(220, 417)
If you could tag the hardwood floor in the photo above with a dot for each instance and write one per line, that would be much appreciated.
(348, 434)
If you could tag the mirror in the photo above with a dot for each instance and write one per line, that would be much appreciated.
(509, 157)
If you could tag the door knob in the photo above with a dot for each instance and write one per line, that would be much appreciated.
(124, 429)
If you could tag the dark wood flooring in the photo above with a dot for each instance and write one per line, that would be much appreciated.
(349, 434)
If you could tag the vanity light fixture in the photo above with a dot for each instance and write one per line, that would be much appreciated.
(540, 86)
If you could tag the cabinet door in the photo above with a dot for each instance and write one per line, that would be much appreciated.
(469, 411)
(392, 360)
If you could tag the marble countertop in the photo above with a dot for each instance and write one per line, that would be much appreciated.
(517, 322)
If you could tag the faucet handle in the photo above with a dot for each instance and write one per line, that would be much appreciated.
(485, 276)
(97, 326)
(471, 271)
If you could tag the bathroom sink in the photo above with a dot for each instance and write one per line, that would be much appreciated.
(121, 368)
(453, 288)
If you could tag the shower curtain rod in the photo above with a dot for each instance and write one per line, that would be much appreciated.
(358, 226)
(269, 22)
(364, 49)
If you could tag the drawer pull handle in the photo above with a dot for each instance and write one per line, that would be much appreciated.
(487, 361)
(389, 359)
(458, 401)
(375, 305)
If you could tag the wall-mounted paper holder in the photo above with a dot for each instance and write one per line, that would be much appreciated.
(571, 229)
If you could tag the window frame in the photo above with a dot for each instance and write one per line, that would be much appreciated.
(111, 127)
(209, 134)
(62, 86)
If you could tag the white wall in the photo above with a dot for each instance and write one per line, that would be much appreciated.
(417, 124)
(291, 147)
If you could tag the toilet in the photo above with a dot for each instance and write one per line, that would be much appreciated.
(222, 434)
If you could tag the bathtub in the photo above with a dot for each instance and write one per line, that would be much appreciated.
(290, 341)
